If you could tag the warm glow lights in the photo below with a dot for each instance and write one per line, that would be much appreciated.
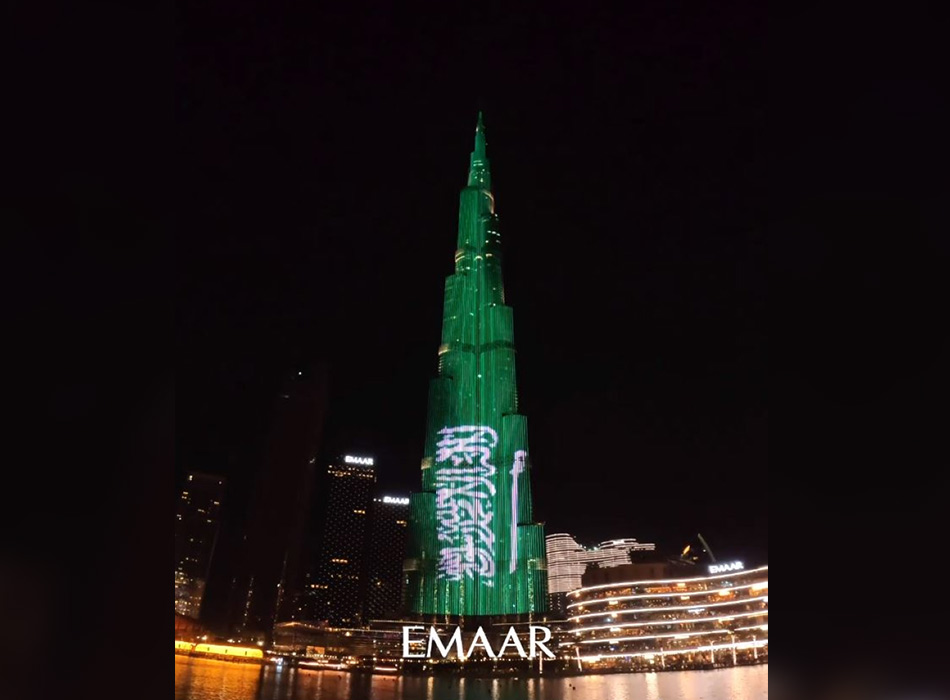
(225, 650)
(680, 621)
(612, 600)
(614, 640)
(670, 580)
(710, 611)
(712, 647)
(665, 608)
(219, 650)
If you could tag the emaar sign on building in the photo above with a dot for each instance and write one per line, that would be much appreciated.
(723, 568)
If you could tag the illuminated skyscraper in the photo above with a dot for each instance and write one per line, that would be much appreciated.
(196, 532)
(474, 549)
(340, 567)
(270, 582)
(385, 552)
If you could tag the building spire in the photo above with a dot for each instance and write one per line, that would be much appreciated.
(490, 559)
(480, 138)
(479, 174)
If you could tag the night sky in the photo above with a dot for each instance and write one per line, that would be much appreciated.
(323, 157)
(307, 161)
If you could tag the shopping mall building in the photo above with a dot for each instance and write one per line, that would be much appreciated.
(654, 616)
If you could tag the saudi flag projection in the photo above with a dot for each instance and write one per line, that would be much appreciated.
(473, 548)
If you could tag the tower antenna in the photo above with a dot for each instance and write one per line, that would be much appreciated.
(708, 549)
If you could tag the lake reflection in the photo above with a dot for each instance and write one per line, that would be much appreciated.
(204, 679)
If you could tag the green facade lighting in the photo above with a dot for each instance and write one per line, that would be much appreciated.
(473, 548)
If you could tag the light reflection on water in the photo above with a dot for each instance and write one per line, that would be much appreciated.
(204, 679)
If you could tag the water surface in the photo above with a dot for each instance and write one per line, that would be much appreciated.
(204, 679)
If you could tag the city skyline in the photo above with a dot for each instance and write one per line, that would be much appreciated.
(687, 395)
(313, 178)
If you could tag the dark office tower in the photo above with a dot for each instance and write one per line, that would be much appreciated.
(385, 552)
(196, 532)
(271, 578)
(349, 493)
(474, 547)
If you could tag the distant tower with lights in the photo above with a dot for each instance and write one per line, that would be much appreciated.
(271, 573)
(568, 560)
(339, 581)
(385, 552)
(474, 548)
(196, 532)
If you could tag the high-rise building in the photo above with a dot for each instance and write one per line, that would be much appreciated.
(567, 561)
(385, 552)
(197, 521)
(338, 581)
(474, 548)
(270, 579)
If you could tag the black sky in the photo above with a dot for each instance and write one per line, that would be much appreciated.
(322, 154)
(311, 175)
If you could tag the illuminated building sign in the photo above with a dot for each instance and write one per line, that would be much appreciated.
(368, 461)
(723, 568)
(474, 548)
(480, 639)
(396, 500)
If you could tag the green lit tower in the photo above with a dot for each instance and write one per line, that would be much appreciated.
(473, 547)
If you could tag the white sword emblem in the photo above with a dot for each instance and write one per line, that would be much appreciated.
(516, 469)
